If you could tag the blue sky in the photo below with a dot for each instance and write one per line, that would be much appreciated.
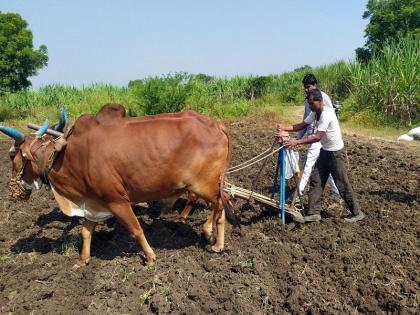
(94, 41)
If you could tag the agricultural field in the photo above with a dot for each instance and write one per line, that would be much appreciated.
(329, 267)
(224, 61)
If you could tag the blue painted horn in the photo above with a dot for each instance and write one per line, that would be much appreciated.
(63, 120)
(13, 133)
(43, 129)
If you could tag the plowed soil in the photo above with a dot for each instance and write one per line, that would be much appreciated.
(328, 267)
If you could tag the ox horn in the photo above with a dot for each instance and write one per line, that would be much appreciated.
(63, 120)
(43, 129)
(13, 133)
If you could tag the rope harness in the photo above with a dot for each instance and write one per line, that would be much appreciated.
(18, 188)
(254, 160)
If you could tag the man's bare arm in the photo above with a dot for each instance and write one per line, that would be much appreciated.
(296, 127)
(311, 139)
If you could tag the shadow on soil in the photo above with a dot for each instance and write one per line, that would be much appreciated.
(108, 243)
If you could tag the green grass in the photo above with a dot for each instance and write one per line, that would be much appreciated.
(385, 91)
(145, 296)
(46, 102)
(125, 273)
(3, 258)
(249, 264)
(68, 245)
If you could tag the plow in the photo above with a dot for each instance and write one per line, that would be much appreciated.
(239, 192)
(279, 180)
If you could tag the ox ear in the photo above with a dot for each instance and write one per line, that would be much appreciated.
(13, 133)
(63, 120)
(43, 129)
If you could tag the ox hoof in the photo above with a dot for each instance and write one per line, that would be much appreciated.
(217, 249)
(82, 262)
(150, 260)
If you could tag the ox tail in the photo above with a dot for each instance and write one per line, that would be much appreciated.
(229, 211)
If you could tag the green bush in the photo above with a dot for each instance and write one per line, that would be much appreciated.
(166, 94)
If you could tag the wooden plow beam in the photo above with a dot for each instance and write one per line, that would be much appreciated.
(246, 194)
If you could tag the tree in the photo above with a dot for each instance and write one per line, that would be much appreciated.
(388, 19)
(18, 59)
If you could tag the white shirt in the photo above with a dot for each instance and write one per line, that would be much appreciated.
(328, 122)
(310, 129)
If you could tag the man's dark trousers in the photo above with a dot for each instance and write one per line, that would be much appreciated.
(334, 163)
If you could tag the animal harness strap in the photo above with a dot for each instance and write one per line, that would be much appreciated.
(45, 165)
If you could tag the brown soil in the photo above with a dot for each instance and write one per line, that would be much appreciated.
(328, 267)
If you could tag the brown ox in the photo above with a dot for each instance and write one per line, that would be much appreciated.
(108, 164)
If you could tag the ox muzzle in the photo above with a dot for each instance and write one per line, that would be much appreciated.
(18, 189)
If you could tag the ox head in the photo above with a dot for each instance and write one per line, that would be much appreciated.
(25, 156)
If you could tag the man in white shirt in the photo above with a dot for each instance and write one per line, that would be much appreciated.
(332, 158)
(310, 83)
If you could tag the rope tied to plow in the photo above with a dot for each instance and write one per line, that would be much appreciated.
(253, 160)
(258, 158)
